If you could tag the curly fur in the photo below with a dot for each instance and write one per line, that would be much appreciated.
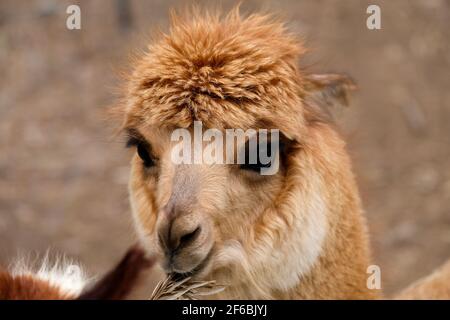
(227, 72)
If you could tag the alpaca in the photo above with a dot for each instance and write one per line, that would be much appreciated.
(297, 234)
(58, 281)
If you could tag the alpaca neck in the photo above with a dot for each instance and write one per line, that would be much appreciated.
(340, 272)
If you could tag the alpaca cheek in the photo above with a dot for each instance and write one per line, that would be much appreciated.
(142, 205)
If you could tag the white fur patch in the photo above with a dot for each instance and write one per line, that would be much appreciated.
(63, 273)
(282, 268)
(304, 247)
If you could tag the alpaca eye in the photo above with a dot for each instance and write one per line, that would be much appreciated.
(145, 155)
(252, 165)
(256, 167)
(266, 156)
(142, 147)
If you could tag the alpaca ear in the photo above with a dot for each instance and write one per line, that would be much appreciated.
(328, 90)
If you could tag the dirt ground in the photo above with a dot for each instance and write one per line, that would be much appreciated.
(63, 179)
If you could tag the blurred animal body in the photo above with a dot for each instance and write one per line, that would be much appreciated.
(64, 280)
(433, 286)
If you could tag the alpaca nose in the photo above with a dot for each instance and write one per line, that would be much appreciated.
(178, 232)
(177, 240)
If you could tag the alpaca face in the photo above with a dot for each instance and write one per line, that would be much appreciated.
(227, 221)
(186, 213)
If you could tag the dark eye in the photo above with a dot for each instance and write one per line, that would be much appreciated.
(256, 167)
(252, 165)
(142, 147)
(267, 155)
(144, 154)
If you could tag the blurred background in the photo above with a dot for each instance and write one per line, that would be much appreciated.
(63, 178)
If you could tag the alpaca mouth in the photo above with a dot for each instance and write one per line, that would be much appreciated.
(201, 266)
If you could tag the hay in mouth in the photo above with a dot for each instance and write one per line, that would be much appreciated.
(176, 288)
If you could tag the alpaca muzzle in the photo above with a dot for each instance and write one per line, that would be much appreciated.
(184, 240)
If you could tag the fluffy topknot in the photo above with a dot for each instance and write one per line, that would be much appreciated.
(228, 71)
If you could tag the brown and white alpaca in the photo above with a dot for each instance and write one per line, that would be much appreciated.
(64, 280)
(300, 233)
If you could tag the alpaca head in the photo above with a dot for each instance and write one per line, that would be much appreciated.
(226, 73)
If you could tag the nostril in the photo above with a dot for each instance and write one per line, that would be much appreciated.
(188, 238)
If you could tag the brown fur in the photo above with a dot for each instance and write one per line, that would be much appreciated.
(256, 233)
(115, 285)
(228, 73)
(27, 287)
